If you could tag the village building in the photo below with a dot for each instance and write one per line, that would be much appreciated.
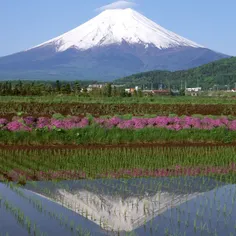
(193, 91)
(95, 86)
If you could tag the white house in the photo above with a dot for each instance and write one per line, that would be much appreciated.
(197, 89)
(95, 86)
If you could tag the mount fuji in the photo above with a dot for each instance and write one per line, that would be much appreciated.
(115, 43)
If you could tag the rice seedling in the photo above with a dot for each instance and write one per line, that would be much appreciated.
(185, 189)
(21, 218)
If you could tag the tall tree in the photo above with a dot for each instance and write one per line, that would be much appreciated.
(108, 90)
(58, 86)
(77, 87)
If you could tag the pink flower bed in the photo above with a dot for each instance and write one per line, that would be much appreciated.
(16, 174)
(171, 123)
(132, 173)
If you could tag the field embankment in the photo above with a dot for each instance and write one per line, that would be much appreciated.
(8, 110)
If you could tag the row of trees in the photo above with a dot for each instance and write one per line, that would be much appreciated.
(19, 88)
(33, 88)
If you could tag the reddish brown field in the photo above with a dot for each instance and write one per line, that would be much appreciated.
(9, 110)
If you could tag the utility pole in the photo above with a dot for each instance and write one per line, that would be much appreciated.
(169, 87)
(181, 85)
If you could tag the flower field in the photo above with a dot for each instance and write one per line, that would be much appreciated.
(59, 130)
(172, 123)
(136, 168)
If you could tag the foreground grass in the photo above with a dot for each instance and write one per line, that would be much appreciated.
(93, 162)
(119, 100)
(96, 135)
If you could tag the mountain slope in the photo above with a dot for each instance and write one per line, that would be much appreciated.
(113, 44)
(114, 27)
(221, 72)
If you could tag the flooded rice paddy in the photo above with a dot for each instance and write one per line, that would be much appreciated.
(142, 206)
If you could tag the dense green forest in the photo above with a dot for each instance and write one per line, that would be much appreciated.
(216, 74)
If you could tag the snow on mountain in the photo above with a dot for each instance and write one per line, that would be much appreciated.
(118, 215)
(115, 26)
(114, 44)
(124, 205)
(114, 213)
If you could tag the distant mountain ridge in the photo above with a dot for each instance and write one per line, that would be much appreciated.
(115, 43)
(221, 72)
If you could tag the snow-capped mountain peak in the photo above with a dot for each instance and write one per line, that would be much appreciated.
(114, 44)
(115, 26)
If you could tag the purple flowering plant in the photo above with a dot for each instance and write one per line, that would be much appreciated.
(30, 123)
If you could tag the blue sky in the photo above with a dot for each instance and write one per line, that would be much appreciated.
(26, 23)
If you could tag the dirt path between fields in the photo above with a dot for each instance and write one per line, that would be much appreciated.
(111, 146)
